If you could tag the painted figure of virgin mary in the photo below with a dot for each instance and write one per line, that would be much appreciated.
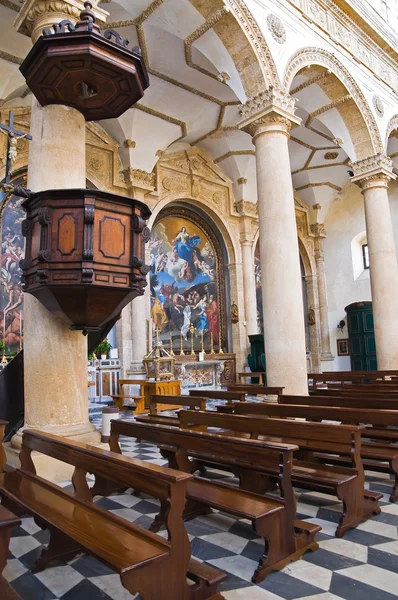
(185, 243)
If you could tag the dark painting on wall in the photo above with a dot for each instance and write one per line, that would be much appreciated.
(259, 298)
(183, 279)
(12, 251)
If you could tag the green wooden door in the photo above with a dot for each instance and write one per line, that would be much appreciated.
(362, 336)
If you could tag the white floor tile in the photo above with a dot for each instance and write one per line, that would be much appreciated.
(60, 579)
(252, 593)
(13, 569)
(110, 585)
(380, 579)
(229, 541)
(346, 548)
(236, 565)
(312, 574)
(128, 513)
(391, 547)
(127, 500)
(325, 596)
(328, 527)
(30, 526)
(307, 509)
(22, 545)
(390, 531)
(391, 509)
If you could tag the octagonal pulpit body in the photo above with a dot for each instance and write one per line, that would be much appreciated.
(84, 257)
(85, 69)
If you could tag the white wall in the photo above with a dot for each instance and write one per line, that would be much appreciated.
(344, 220)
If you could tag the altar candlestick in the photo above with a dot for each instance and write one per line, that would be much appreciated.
(211, 343)
(191, 330)
(182, 353)
(203, 344)
(157, 332)
(171, 344)
(220, 351)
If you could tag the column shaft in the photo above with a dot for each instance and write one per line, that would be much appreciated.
(323, 302)
(280, 266)
(55, 358)
(383, 273)
(249, 287)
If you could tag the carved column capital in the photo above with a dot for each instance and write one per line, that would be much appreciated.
(35, 15)
(270, 111)
(246, 209)
(373, 172)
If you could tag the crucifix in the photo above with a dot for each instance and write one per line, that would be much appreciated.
(13, 135)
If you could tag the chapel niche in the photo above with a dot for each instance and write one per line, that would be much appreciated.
(187, 282)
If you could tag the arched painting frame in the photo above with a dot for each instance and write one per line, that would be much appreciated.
(187, 278)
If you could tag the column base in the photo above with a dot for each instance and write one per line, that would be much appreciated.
(47, 467)
(327, 356)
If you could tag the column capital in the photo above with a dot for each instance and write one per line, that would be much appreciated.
(373, 172)
(35, 15)
(318, 230)
(269, 111)
(245, 208)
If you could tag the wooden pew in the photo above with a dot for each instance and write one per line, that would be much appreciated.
(7, 522)
(285, 538)
(378, 454)
(344, 440)
(160, 403)
(255, 390)
(336, 378)
(368, 375)
(339, 400)
(230, 397)
(252, 375)
(364, 392)
(147, 563)
(382, 387)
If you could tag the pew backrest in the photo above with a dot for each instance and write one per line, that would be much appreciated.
(340, 414)
(322, 437)
(344, 401)
(238, 396)
(159, 400)
(3, 458)
(255, 389)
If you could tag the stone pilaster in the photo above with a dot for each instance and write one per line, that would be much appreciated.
(268, 118)
(373, 175)
(318, 230)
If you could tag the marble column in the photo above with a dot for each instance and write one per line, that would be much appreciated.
(268, 118)
(319, 231)
(373, 176)
(55, 358)
(249, 285)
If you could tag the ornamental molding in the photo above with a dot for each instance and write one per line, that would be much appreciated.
(140, 178)
(318, 230)
(391, 128)
(345, 32)
(11, 58)
(319, 56)
(277, 29)
(371, 170)
(244, 208)
(270, 107)
(378, 105)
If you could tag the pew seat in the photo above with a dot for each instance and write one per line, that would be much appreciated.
(7, 522)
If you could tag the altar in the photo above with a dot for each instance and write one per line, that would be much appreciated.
(215, 370)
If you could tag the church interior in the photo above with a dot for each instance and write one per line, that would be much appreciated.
(199, 299)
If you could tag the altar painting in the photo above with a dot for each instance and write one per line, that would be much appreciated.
(183, 280)
(12, 251)
(259, 298)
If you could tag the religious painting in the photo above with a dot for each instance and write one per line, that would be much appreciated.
(184, 279)
(259, 298)
(343, 347)
(12, 251)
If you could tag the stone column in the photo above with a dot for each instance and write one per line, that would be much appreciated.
(55, 358)
(268, 118)
(249, 286)
(373, 176)
(318, 230)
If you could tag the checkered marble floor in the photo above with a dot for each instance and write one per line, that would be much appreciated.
(361, 566)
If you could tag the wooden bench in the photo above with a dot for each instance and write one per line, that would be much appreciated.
(364, 392)
(147, 563)
(285, 538)
(344, 440)
(345, 401)
(252, 375)
(7, 522)
(368, 375)
(378, 453)
(256, 390)
(230, 397)
(160, 403)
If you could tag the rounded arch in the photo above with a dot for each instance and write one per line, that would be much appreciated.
(323, 58)
(305, 258)
(231, 244)
(257, 41)
(392, 126)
